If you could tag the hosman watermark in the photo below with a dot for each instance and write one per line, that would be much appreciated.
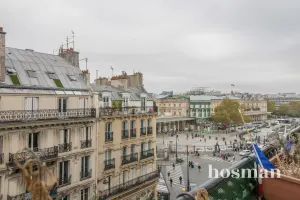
(242, 173)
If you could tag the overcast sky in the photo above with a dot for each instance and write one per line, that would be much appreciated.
(177, 45)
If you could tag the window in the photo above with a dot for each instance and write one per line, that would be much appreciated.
(85, 165)
(64, 171)
(174, 105)
(125, 176)
(85, 194)
(52, 75)
(64, 136)
(132, 148)
(108, 127)
(108, 154)
(143, 103)
(62, 105)
(125, 102)
(132, 124)
(149, 122)
(106, 101)
(124, 151)
(133, 173)
(83, 103)
(71, 77)
(31, 103)
(1, 145)
(31, 74)
(64, 198)
(33, 140)
(149, 145)
(86, 133)
(124, 125)
(142, 123)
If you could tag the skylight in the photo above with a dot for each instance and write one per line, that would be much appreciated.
(52, 75)
(32, 74)
(72, 77)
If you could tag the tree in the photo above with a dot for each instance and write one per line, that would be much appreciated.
(228, 113)
(270, 106)
(283, 109)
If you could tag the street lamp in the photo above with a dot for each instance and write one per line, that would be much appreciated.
(188, 169)
(176, 146)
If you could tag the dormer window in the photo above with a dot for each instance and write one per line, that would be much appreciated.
(54, 76)
(72, 78)
(106, 101)
(31, 74)
(13, 76)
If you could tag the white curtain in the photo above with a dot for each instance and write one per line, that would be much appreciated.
(28, 103)
(35, 103)
(31, 103)
(61, 136)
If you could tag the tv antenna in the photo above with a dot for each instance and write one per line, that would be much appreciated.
(86, 60)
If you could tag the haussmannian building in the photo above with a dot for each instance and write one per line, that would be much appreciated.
(98, 140)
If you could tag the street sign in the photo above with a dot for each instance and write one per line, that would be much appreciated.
(209, 149)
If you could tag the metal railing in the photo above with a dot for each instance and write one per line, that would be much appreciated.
(128, 185)
(85, 174)
(109, 164)
(63, 181)
(65, 147)
(20, 196)
(133, 133)
(85, 143)
(149, 130)
(45, 114)
(143, 131)
(125, 134)
(126, 159)
(44, 155)
(125, 111)
(109, 136)
(147, 154)
(231, 187)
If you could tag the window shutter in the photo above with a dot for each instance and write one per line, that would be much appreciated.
(35, 140)
(68, 135)
(29, 136)
(28, 103)
(82, 164)
(64, 105)
(59, 105)
(35, 103)
(61, 169)
(61, 136)
(89, 133)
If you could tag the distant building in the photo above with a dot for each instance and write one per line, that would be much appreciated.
(256, 109)
(283, 99)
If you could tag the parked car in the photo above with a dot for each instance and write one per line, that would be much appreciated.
(245, 152)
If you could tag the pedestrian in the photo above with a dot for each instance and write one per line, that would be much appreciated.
(180, 180)
(199, 167)
(173, 166)
(171, 181)
(169, 175)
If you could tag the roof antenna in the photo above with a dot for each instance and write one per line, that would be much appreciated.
(86, 60)
(112, 71)
(73, 36)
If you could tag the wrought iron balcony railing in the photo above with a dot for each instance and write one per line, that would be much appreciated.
(85, 144)
(103, 112)
(65, 147)
(132, 133)
(109, 164)
(233, 187)
(125, 134)
(63, 181)
(109, 136)
(143, 131)
(128, 185)
(147, 154)
(86, 174)
(126, 159)
(149, 130)
(20, 196)
(46, 154)
(1, 158)
(45, 114)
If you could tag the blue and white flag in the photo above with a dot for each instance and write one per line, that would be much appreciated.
(261, 159)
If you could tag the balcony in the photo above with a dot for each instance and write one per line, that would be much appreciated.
(126, 159)
(147, 154)
(109, 136)
(128, 185)
(143, 131)
(232, 187)
(20, 196)
(1, 158)
(85, 174)
(149, 130)
(63, 181)
(125, 111)
(85, 144)
(109, 164)
(45, 114)
(65, 147)
(125, 134)
(132, 133)
(46, 154)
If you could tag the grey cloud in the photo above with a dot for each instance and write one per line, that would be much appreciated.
(177, 44)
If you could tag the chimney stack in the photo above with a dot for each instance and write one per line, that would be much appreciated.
(2, 55)
(70, 55)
